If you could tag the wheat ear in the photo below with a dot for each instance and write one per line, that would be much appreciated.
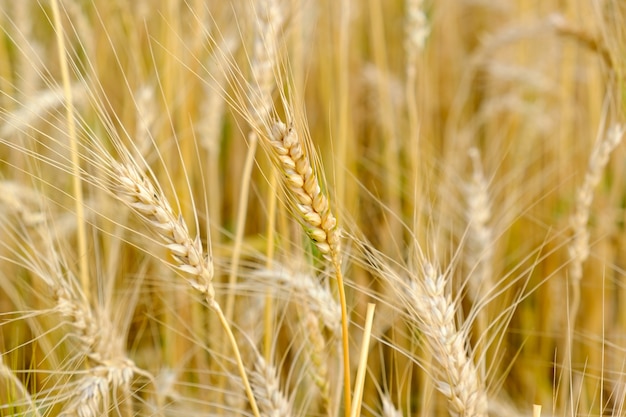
(101, 349)
(269, 18)
(306, 291)
(316, 217)
(141, 196)
(480, 234)
(417, 30)
(479, 254)
(146, 200)
(316, 348)
(318, 310)
(579, 246)
(266, 387)
(389, 410)
(108, 367)
(304, 187)
(458, 377)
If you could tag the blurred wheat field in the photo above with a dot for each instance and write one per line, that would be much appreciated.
(312, 208)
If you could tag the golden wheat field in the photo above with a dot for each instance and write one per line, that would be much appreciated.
(312, 208)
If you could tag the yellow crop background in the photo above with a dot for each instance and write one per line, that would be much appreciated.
(479, 142)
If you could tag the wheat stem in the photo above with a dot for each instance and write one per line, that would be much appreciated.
(241, 224)
(242, 370)
(360, 375)
(271, 226)
(77, 181)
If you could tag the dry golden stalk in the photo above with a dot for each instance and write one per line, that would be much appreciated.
(74, 147)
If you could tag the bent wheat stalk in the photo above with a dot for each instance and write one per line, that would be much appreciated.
(147, 201)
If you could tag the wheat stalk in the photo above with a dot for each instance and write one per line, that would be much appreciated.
(74, 151)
